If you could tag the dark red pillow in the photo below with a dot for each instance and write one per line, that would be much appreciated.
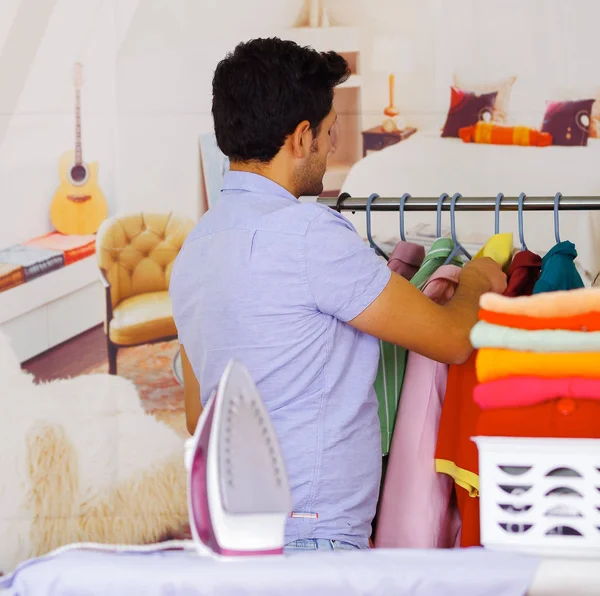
(466, 109)
(568, 121)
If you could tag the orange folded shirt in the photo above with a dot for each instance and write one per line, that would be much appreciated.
(583, 322)
(494, 363)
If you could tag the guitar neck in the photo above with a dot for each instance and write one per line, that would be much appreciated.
(78, 152)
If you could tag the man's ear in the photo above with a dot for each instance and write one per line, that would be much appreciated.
(301, 140)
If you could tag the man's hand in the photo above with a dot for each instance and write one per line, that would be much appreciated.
(491, 274)
(402, 315)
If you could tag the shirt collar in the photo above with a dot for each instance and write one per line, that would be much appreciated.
(409, 253)
(564, 248)
(441, 249)
(448, 273)
(524, 258)
(249, 182)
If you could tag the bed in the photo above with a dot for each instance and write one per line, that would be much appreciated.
(426, 165)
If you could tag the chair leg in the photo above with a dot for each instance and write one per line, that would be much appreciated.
(112, 356)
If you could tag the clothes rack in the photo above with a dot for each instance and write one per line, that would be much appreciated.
(463, 204)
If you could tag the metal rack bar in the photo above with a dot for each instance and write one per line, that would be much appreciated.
(465, 204)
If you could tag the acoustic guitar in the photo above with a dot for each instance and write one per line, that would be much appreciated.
(78, 206)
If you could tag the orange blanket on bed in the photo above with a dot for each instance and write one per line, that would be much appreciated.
(496, 134)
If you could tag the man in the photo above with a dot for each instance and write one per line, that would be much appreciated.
(294, 293)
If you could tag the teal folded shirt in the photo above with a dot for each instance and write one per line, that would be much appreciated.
(486, 335)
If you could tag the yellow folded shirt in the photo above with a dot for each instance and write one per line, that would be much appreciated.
(493, 363)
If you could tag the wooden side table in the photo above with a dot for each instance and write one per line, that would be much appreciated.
(376, 138)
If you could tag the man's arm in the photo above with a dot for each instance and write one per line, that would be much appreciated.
(402, 315)
(191, 392)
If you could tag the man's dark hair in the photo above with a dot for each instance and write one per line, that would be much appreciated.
(264, 89)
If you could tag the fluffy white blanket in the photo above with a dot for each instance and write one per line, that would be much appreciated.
(81, 461)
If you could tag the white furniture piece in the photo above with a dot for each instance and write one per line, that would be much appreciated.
(347, 100)
(52, 308)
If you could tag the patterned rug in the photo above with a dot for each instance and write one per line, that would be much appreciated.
(150, 367)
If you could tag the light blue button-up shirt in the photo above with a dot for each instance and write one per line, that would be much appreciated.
(272, 282)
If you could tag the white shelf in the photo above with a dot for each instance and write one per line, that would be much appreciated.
(52, 308)
(46, 288)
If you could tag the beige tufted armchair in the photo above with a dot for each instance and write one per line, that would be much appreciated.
(135, 254)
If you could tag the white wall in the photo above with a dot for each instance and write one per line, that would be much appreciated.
(164, 72)
(39, 42)
(551, 45)
(148, 67)
(147, 91)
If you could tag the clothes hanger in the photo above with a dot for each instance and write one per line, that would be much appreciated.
(499, 198)
(557, 198)
(369, 236)
(438, 225)
(402, 202)
(520, 212)
(458, 247)
(340, 200)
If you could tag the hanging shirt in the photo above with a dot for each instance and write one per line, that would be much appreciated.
(523, 273)
(272, 282)
(456, 455)
(440, 250)
(558, 270)
(486, 335)
(499, 248)
(415, 510)
(405, 260)
(392, 358)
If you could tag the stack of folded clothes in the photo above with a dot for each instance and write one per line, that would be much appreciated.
(538, 365)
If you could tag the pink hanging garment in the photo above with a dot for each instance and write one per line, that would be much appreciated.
(417, 509)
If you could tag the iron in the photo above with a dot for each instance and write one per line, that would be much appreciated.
(238, 491)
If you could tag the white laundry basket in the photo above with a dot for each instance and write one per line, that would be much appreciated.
(540, 495)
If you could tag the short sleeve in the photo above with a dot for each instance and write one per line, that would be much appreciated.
(344, 273)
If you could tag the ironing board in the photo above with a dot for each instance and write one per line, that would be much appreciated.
(375, 572)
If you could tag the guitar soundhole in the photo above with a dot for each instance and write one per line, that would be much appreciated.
(78, 173)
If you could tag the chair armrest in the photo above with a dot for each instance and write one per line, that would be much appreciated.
(108, 298)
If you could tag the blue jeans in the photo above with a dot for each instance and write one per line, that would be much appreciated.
(316, 544)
